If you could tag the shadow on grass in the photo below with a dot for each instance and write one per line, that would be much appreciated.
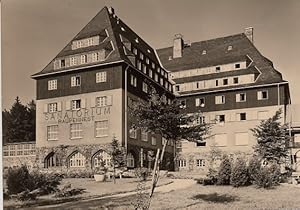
(216, 198)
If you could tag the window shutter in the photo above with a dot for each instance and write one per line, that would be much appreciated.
(68, 105)
(259, 95)
(83, 103)
(197, 102)
(109, 100)
(73, 81)
(93, 102)
(237, 97)
(45, 108)
(59, 106)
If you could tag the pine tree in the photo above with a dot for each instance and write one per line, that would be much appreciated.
(272, 139)
(117, 154)
(31, 113)
(224, 171)
(5, 120)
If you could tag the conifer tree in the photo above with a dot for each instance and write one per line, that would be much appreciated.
(272, 139)
(224, 171)
(117, 154)
(239, 174)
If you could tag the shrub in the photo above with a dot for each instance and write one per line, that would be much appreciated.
(68, 191)
(207, 181)
(239, 174)
(254, 168)
(141, 173)
(20, 180)
(212, 175)
(224, 171)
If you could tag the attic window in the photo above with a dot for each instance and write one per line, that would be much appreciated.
(218, 69)
(204, 52)
(237, 66)
(170, 58)
(229, 48)
(137, 40)
(148, 51)
(122, 29)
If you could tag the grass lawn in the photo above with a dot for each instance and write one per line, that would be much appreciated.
(213, 197)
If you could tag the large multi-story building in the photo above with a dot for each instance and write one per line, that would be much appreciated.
(84, 93)
(234, 86)
(83, 96)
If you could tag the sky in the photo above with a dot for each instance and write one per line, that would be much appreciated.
(34, 31)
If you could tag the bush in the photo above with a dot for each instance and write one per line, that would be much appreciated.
(239, 174)
(212, 175)
(264, 176)
(19, 180)
(224, 171)
(68, 191)
(141, 173)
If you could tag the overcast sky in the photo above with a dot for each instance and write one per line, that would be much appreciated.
(34, 31)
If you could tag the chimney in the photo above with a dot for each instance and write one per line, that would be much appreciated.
(249, 33)
(178, 46)
(111, 10)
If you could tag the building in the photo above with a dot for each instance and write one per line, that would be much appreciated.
(234, 86)
(83, 96)
(16, 154)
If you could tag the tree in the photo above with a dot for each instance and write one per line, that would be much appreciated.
(239, 174)
(272, 139)
(117, 154)
(19, 122)
(224, 171)
(170, 121)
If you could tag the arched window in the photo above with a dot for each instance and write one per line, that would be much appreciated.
(52, 160)
(130, 160)
(101, 156)
(76, 160)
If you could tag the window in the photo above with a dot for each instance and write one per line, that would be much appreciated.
(103, 157)
(133, 133)
(73, 61)
(144, 68)
(95, 57)
(52, 132)
(133, 80)
(76, 104)
(62, 63)
(147, 60)
(177, 88)
(241, 139)
(182, 163)
(201, 143)
(229, 48)
(52, 107)
(156, 77)
(101, 77)
(220, 118)
(83, 59)
(145, 87)
(161, 81)
(150, 73)
(139, 65)
(77, 160)
(76, 130)
(153, 140)
(220, 99)
(262, 115)
(130, 160)
(204, 52)
(144, 135)
(262, 95)
(153, 66)
(225, 81)
(101, 128)
(235, 80)
(218, 69)
(237, 65)
(75, 81)
(103, 101)
(217, 83)
(51, 160)
(200, 162)
(182, 103)
(134, 50)
(242, 116)
(221, 140)
(200, 102)
(240, 97)
(200, 120)
(141, 56)
(52, 84)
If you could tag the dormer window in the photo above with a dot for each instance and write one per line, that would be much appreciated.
(134, 50)
(137, 40)
(225, 81)
(204, 52)
(122, 29)
(237, 65)
(229, 48)
(141, 56)
(148, 51)
(235, 80)
(62, 63)
(218, 68)
(75, 81)
(177, 87)
(83, 59)
(147, 60)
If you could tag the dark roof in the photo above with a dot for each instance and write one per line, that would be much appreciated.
(217, 54)
(109, 21)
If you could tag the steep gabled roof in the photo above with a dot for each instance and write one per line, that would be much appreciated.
(120, 36)
(217, 53)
